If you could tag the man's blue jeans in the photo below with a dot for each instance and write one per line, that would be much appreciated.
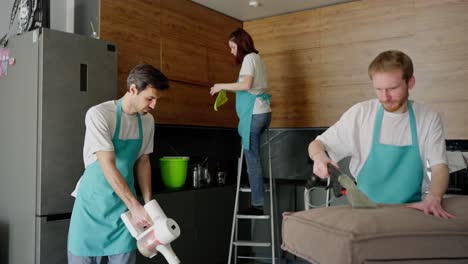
(260, 122)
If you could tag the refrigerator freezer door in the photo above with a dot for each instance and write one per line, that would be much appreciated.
(77, 72)
(51, 241)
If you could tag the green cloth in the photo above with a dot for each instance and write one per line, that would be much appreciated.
(220, 99)
(392, 174)
(96, 228)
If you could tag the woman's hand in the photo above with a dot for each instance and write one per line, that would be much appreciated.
(215, 89)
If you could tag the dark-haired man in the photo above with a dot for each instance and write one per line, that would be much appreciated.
(118, 139)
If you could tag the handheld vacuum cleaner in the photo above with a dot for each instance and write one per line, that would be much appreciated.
(157, 237)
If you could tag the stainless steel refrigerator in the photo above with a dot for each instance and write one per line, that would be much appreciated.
(44, 97)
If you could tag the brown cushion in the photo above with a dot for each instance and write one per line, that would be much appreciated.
(389, 233)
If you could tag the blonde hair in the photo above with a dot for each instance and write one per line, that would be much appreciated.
(392, 60)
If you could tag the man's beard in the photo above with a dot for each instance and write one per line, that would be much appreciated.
(395, 105)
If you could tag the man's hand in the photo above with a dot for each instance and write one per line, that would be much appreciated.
(317, 154)
(431, 205)
(140, 217)
(320, 164)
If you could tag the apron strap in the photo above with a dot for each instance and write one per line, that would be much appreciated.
(414, 131)
(118, 122)
(378, 125)
(118, 117)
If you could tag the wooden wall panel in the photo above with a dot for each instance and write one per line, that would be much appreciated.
(366, 20)
(297, 101)
(187, 42)
(286, 33)
(293, 79)
(454, 117)
(435, 85)
(336, 99)
(345, 38)
(442, 61)
(348, 63)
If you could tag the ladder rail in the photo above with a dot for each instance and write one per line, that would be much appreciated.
(236, 206)
(272, 203)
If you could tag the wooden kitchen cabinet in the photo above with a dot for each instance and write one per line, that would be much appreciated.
(221, 66)
(184, 61)
(187, 42)
(194, 43)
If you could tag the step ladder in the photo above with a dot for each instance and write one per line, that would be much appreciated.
(235, 243)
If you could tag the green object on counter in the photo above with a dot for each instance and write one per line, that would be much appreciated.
(220, 99)
(173, 171)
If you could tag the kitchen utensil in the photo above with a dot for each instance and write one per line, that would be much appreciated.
(221, 177)
(206, 176)
(196, 176)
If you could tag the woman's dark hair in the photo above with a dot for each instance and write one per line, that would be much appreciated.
(244, 42)
(145, 75)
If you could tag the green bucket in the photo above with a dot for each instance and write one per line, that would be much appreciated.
(173, 171)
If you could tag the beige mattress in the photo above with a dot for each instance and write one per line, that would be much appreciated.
(389, 234)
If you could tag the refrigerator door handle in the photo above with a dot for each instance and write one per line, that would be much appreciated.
(83, 77)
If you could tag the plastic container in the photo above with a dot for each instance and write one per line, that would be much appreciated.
(173, 171)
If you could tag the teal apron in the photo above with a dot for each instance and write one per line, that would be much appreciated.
(95, 226)
(392, 174)
(245, 102)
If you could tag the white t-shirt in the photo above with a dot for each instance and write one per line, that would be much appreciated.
(352, 135)
(253, 65)
(100, 127)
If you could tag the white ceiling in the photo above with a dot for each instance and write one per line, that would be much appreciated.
(241, 10)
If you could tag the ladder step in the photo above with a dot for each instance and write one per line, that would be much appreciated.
(241, 216)
(243, 243)
(251, 257)
(245, 189)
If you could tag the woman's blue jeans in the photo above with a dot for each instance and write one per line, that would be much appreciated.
(260, 122)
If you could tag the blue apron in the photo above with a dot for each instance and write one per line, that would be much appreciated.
(95, 226)
(392, 174)
(245, 102)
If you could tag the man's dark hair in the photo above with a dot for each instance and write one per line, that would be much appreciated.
(145, 75)
(244, 42)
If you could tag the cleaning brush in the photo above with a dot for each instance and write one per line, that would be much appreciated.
(355, 197)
